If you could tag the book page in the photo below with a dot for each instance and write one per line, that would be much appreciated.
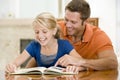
(56, 70)
(42, 70)
(33, 70)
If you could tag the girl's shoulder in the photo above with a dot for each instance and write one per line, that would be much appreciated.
(34, 43)
(63, 42)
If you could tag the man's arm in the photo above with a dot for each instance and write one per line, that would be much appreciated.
(106, 60)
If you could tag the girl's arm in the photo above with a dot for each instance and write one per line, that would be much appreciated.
(11, 67)
(31, 63)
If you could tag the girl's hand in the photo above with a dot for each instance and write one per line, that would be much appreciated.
(10, 68)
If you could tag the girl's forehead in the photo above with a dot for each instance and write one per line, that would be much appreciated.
(40, 26)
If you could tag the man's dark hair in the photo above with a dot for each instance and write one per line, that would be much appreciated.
(80, 6)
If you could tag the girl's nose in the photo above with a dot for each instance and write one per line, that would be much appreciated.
(40, 34)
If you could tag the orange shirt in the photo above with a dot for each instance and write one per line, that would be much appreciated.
(94, 41)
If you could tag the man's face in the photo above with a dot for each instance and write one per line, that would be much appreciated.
(73, 23)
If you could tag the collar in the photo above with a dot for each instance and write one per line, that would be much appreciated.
(88, 33)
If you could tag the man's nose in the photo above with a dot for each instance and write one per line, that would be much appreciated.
(68, 24)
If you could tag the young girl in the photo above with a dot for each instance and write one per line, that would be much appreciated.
(46, 49)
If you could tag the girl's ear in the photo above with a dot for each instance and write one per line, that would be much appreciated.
(54, 32)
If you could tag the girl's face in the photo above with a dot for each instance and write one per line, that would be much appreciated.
(43, 35)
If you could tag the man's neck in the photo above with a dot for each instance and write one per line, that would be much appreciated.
(76, 39)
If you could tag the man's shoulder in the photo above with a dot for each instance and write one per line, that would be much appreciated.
(94, 29)
(62, 25)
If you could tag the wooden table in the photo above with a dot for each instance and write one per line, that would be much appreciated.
(86, 75)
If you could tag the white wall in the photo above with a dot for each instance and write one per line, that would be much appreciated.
(31, 8)
(105, 10)
(8, 8)
(118, 28)
(26, 8)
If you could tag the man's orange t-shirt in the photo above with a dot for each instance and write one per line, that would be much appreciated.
(94, 41)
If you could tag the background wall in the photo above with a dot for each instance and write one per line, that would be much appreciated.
(8, 8)
(30, 8)
(27, 8)
(118, 28)
(105, 10)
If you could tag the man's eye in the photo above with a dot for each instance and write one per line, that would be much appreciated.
(74, 22)
(66, 20)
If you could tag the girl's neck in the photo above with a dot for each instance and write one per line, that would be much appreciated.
(51, 48)
(50, 43)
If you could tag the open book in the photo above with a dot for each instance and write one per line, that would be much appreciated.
(42, 70)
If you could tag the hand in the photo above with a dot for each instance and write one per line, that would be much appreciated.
(75, 69)
(67, 60)
(68, 77)
(10, 68)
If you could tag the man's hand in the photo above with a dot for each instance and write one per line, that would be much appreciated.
(75, 69)
(69, 60)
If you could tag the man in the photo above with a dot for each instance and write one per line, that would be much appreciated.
(89, 41)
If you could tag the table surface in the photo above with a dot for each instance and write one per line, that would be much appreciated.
(86, 75)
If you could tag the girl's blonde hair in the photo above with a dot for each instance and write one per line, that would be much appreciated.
(47, 20)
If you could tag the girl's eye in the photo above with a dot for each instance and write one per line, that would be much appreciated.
(44, 31)
(36, 32)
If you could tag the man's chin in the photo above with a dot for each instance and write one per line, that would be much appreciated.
(69, 33)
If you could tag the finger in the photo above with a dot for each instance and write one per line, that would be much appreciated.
(14, 68)
(68, 69)
(7, 68)
(72, 69)
(10, 68)
(76, 70)
(59, 62)
(56, 64)
(64, 63)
